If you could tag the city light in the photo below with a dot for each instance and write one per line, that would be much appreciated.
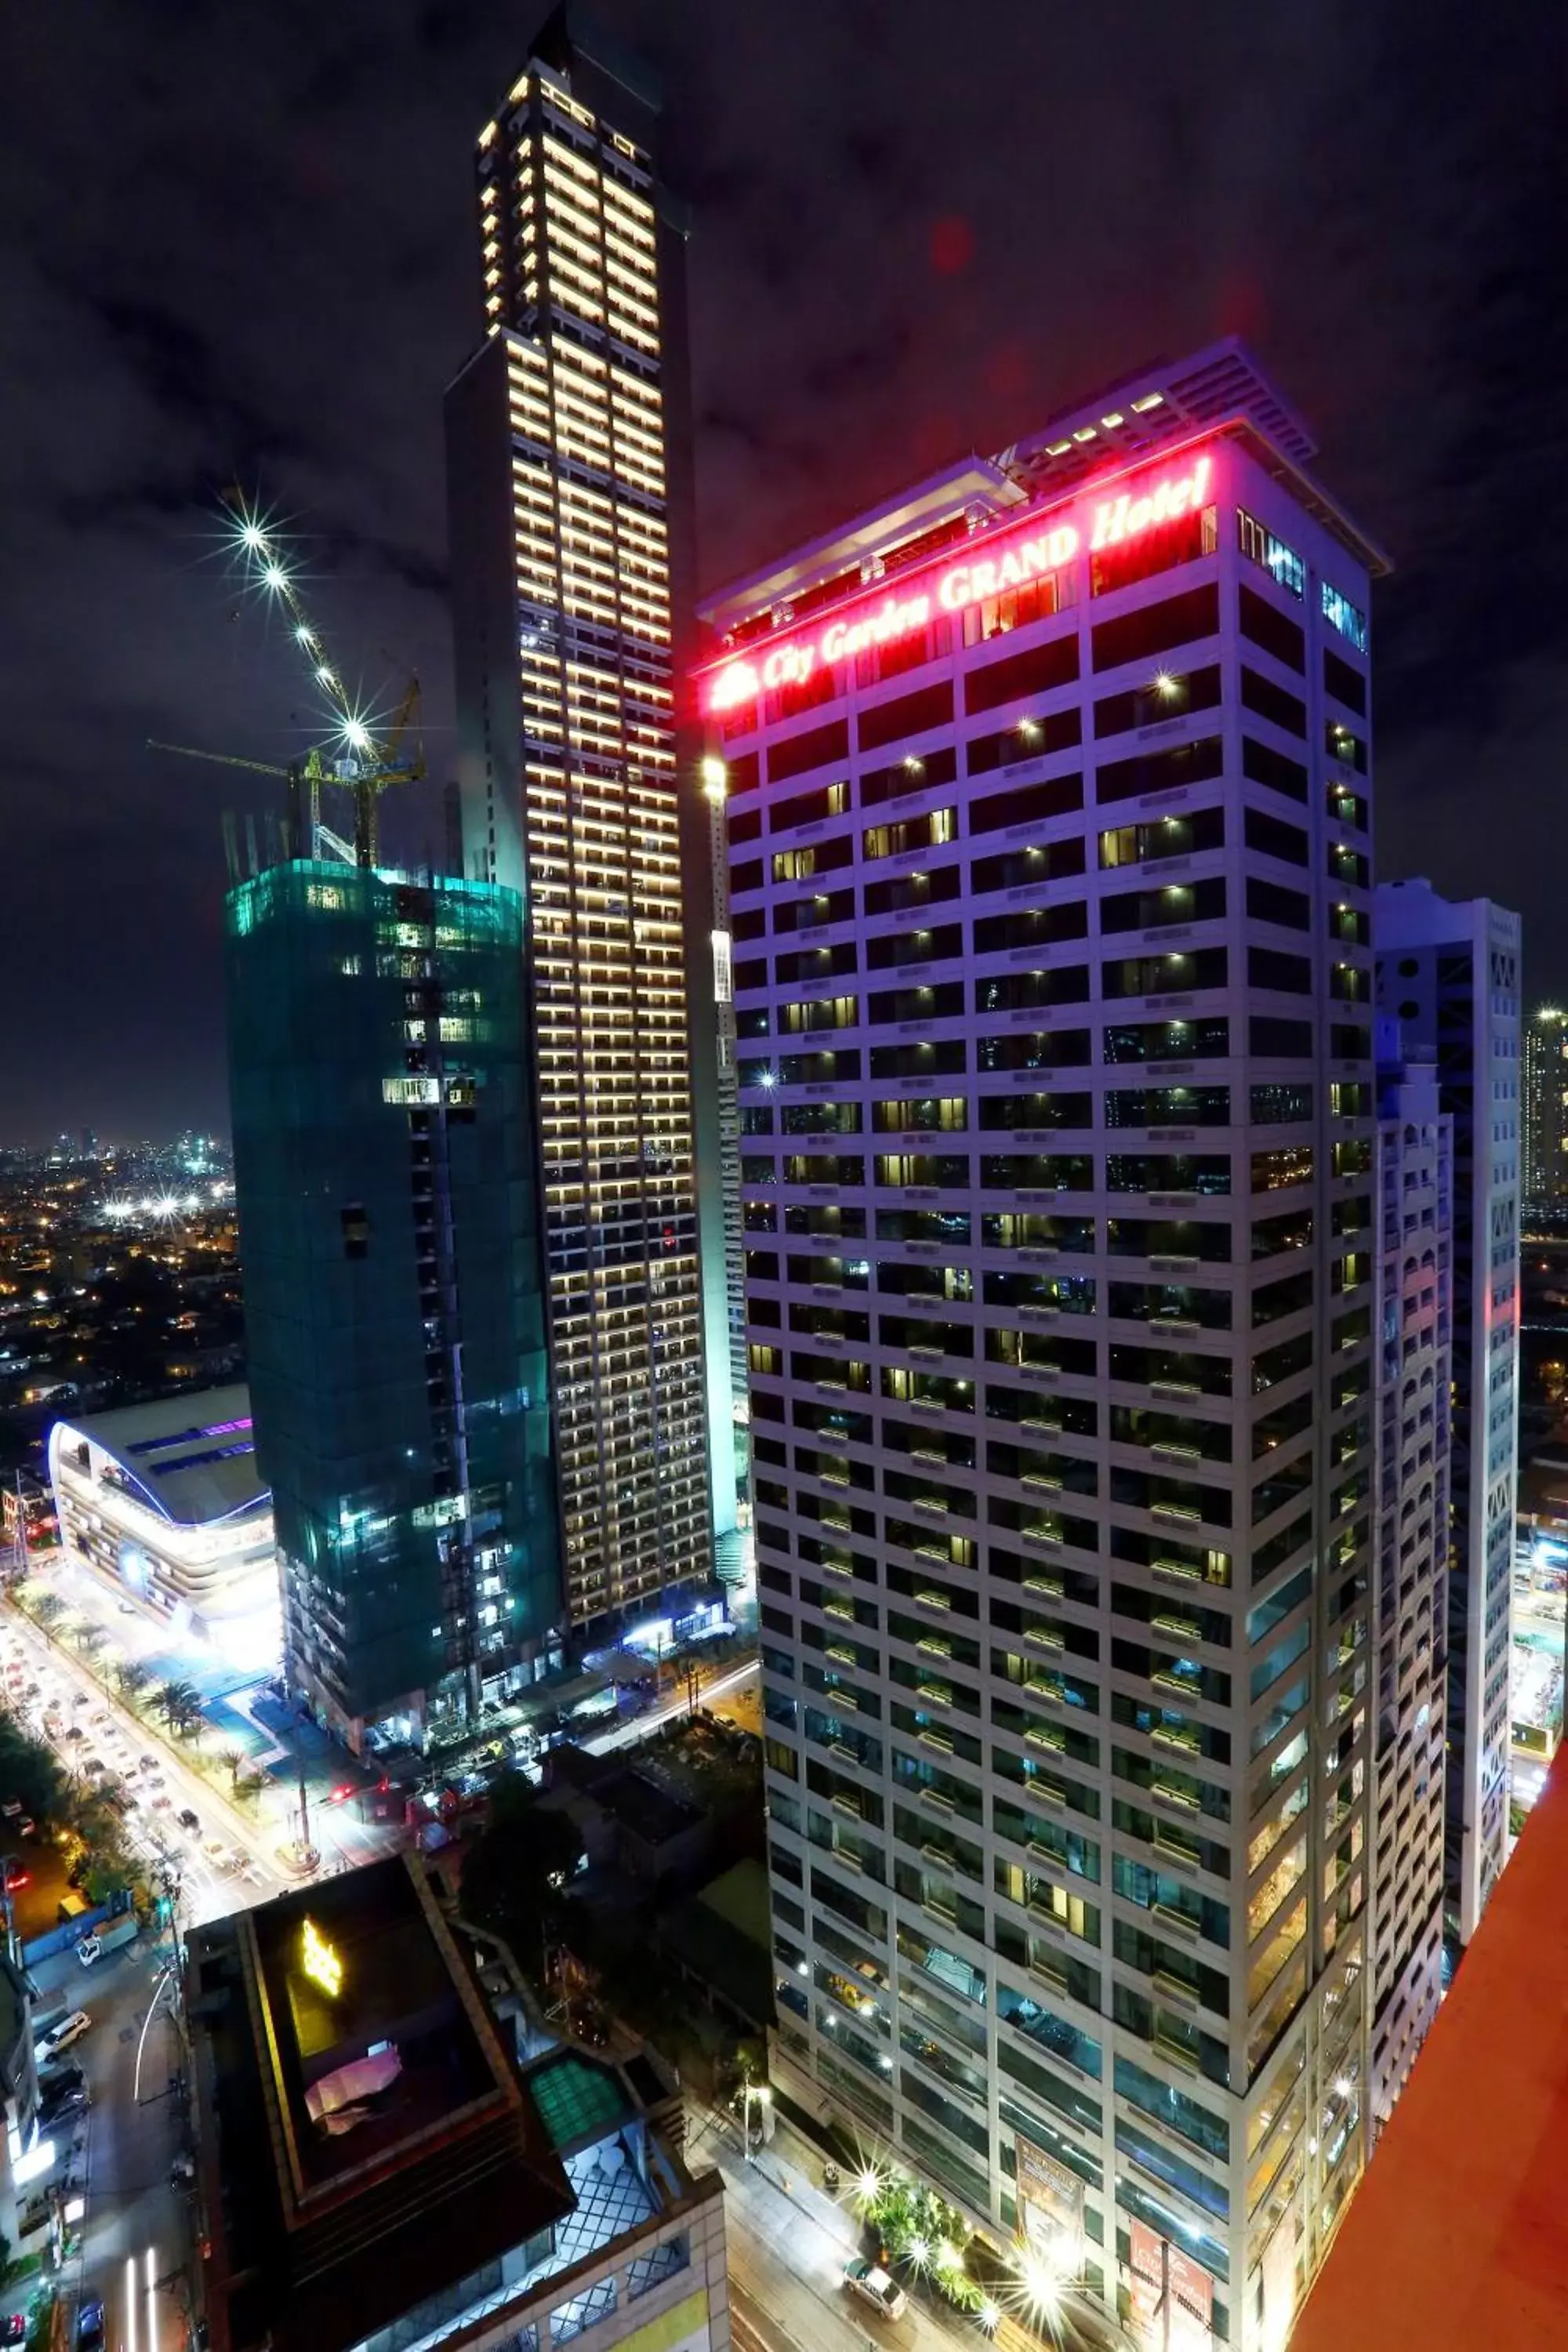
(319, 1961)
(715, 777)
(1013, 556)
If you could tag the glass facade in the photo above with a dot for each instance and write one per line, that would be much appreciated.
(389, 1225)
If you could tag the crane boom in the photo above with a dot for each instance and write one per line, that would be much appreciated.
(365, 760)
(221, 759)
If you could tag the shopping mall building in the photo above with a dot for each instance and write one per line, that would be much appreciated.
(165, 1503)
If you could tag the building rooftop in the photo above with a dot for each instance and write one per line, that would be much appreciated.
(1455, 2234)
(352, 2082)
(1167, 404)
(190, 1458)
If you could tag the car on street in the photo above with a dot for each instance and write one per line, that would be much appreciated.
(53, 2111)
(14, 2327)
(61, 2074)
(218, 1855)
(188, 1820)
(871, 2285)
(148, 1763)
(60, 2037)
(88, 2336)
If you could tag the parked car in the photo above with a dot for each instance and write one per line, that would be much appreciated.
(61, 2075)
(90, 2327)
(14, 2327)
(60, 2037)
(55, 2110)
(873, 2286)
(188, 1820)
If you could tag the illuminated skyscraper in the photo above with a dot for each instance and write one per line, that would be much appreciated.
(1448, 974)
(1544, 1106)
(1049, 801)
(568, 502)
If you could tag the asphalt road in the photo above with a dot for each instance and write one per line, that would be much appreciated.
(137, 2237)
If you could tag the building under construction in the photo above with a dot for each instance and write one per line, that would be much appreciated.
(385, 1170)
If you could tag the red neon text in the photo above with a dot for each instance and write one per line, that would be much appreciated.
(1007, 561)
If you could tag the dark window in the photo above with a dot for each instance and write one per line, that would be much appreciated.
(910, 947)
(1159, 772)
(1059, 730)
(1271, 904)
(1273, 630)
(747, 875)
(1276, 838)
(1026, 803)
(1345, 684)
(1011, 991)
(926, 890)
(744, 774)
(1157, 628)
(814, 746)
(806, 808)
(1035, 670)
(1169, 902)
(928, 773)
(1273, 702)
(1270, 968)
(1168, 696)
(1265, 766)
(1034, 926)
(1274, 1106)
(907, 714)
(1283, 1041)
(746, 826)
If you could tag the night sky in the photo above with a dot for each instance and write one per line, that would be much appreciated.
(241, 248)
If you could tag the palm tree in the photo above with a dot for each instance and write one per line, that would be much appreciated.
(89, 1639)
(180, 1704)
(131, 1678)
(232, 1758)
(48, 1610)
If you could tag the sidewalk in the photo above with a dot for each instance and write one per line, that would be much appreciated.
(789, 2240)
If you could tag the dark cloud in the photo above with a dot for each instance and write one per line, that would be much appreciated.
(242, 251)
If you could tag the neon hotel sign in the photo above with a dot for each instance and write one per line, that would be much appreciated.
(1028, 552)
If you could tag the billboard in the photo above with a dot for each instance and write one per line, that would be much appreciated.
(1051, 2207)
(1173, 2296)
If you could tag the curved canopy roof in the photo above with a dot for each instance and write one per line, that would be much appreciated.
(190, 1457)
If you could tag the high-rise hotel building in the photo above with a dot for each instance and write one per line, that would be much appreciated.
(1050, 834)
(1448, 974)
(1414, 1340)
(567, 495)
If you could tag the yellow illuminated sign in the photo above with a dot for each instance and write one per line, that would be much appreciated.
(319, 1961)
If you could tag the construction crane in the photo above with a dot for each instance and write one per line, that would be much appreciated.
(362, 756)
(306, 833)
